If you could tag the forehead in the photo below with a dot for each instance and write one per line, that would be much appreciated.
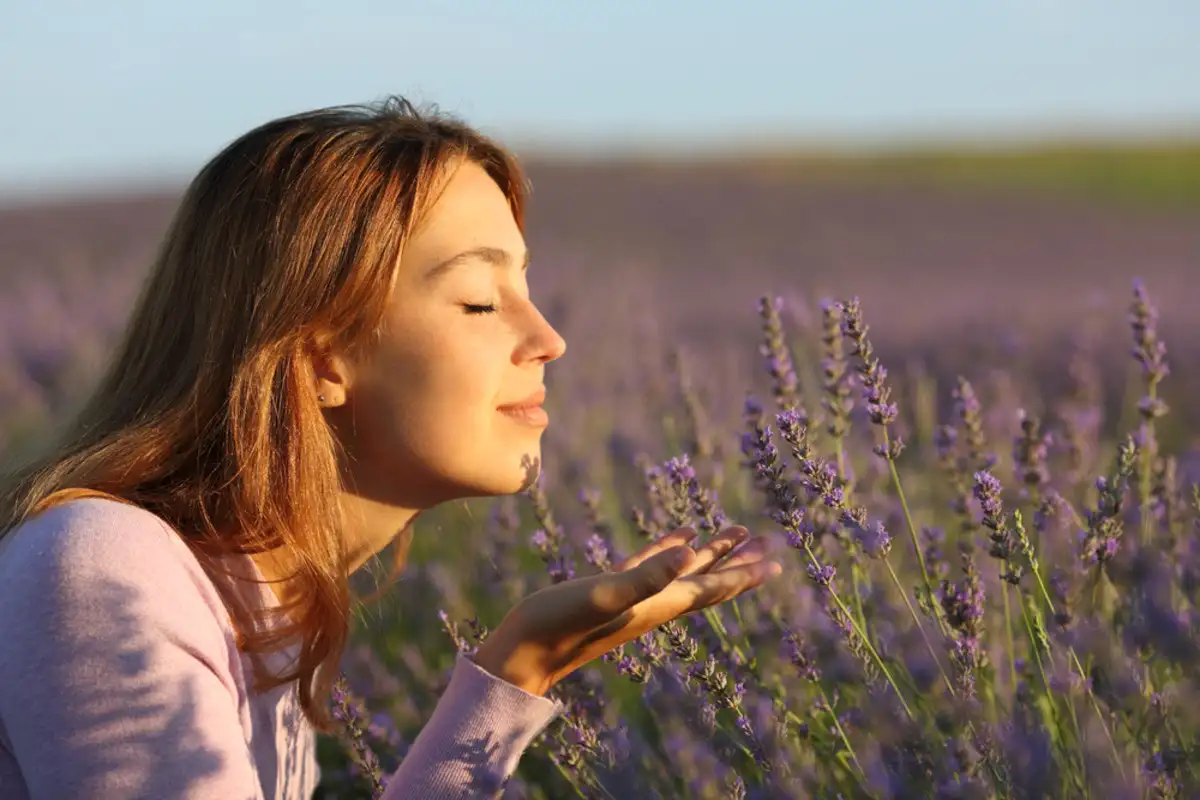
(469, 209)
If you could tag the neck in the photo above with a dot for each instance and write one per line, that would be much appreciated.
(368, 527)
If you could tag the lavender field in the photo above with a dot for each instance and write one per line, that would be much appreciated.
(946, 401)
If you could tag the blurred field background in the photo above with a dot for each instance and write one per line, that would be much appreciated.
(988, 180)
(964, 263)
(1007, 259)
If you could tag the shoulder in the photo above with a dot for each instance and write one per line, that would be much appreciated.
(119, 672)
(92, 561)
(91, 538)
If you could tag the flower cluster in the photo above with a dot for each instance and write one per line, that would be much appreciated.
(1055, 666)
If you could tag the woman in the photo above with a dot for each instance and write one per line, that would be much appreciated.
(336, 334)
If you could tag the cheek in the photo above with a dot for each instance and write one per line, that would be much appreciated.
(436, 405)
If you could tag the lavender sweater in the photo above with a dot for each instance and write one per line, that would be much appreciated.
(120, 678)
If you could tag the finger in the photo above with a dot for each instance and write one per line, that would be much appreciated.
(620, 591)
(717, 548)
(697, 592)
(679, 598)
(673, 539)
(749, 552)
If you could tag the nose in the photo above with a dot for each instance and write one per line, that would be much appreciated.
(552, 344)
(543, 343)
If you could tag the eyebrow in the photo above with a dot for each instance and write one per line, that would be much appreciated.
(495, 256)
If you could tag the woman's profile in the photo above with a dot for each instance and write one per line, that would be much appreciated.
(336, 334)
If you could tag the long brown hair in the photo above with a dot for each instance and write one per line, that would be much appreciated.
(206, 415)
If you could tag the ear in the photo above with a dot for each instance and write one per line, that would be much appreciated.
(331, 371)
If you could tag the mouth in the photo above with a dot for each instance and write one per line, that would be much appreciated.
(528, 411)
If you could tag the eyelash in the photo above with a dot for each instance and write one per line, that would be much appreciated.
(474, 309)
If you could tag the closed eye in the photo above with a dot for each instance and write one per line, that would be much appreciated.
(474, 309)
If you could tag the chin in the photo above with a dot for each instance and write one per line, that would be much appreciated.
(501, 477)
(516, 476)
(522, 474)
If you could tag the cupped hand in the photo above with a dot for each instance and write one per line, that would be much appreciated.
(556, 630)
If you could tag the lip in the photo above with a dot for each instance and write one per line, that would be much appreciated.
(528, 411)
(534, 400)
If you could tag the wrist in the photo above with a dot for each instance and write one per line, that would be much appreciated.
(502, 662)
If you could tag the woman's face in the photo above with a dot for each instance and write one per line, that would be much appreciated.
(422, 420)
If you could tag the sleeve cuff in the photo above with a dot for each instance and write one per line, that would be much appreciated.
(475, 737)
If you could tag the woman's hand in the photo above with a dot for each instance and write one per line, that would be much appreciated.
(556, 630)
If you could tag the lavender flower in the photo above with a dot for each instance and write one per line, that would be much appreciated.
(872, 537)
(836, 402)
(596, 553)
(797, 653)
(699, 431)
(1030, 451)
(676, 496)
(633, 668)
(1081, 413)
(1100, 540)
(590, 499)
(1004, 542)
(779, 360)
(460, 643)
(350, 711)
(933, 540)
(987, 492)
(873, 376)
(768, 468)
(549, 548)
(1150, 352)
(822, 576)
(963, 607)
(711, 519)
(970, 415)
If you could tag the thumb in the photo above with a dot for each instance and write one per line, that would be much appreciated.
(653, 575)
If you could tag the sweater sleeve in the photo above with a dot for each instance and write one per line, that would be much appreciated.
(115, 671)
(474, 739)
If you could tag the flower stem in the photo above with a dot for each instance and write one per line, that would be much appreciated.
(1008, 629)
(1037, 656)
(920, 627)
(1037, 574)
(874, 654)
(912, 531)
(842, 733)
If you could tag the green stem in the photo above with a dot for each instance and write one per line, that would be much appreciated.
(920, 627)
(1012, 650)
(856, 584)
(1037, 656)
(1146, 467)
(855, 574)
(1083, 675)
(727, 642)
(563, 771)
(737, 615)
(912, 533)
(845, 739)
(874, 654)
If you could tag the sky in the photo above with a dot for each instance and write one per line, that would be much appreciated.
(101, 91)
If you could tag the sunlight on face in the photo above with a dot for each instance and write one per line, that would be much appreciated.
(462, 340)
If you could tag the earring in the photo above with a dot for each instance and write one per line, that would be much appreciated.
(320, 398)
